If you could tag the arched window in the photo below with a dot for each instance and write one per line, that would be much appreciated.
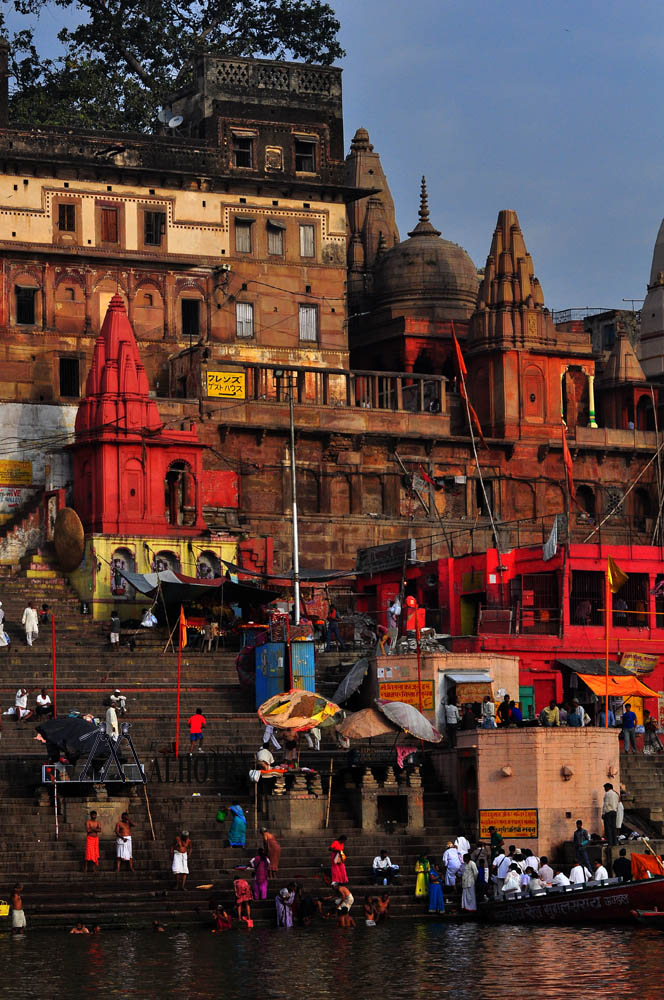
(165, 560)
(645, 417)
(208, 566)
(122, 559)
(180, 494)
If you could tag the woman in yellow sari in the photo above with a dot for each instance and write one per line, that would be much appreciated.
(422, 872)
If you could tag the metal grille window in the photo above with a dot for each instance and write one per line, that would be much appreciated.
(109, 225)
(67, 218)
(586, 598)
(307, 245)
(309, 323)
(275, 238)
(659, 601)
(191, 323)
(244, 315)
(243, 151)
(69, 377)
(540, 603)
(25, 306)
(305, 156)
(630, 604)
(155, 227)
(242, 236)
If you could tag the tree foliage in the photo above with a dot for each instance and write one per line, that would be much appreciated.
(125, 56)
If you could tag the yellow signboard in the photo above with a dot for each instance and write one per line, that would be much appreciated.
(407, 691)
(639, 663)
(227, 385)
(15, 473)
(512, 824)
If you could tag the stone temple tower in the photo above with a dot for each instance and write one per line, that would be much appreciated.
(651, 340)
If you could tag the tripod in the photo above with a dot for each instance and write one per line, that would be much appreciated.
(102, 737)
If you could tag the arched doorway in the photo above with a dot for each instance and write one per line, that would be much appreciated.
(180, 494)
(122, 559)
(208, 566)
(164, 560)
(645, 416)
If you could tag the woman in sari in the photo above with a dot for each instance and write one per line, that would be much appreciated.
(422, 867)
(273, 851)
(338, 874)
(261, 866)
(284, 904)
(436, 898)
(237, 835)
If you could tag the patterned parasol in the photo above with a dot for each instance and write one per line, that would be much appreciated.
(298, 710)
(366, 723)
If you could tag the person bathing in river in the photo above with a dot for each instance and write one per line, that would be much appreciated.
(338, 874)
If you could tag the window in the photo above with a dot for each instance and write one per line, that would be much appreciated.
(25, 305)
(243, 151)
(307, 245)
(275, 238)
(305, 156)
(191, 317)
(586, 599)
(242, 236)
(70, 294)
(109, 225)
(244, 315)
(69, 377)
(67, 218)
(309, 323)
(155, 227)
(148, 299)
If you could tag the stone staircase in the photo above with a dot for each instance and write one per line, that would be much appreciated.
(643, 778)
(57, 892)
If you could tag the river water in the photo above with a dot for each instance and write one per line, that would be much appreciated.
(398, 960)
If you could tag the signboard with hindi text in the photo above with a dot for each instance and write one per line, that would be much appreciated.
(639, 663)
(15, 473)
(512, 824)
(407, 691)
(226, 385)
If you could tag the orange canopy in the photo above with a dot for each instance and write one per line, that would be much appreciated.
(645, 865)
(624, 687)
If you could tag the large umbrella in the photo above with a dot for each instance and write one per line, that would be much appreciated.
(407, 718)
(64, 735)
(297, 710)
(352, 681)
(366, 723)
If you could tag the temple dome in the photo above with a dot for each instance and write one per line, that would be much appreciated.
(427, 270)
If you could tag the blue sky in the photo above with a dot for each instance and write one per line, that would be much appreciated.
(547, 108)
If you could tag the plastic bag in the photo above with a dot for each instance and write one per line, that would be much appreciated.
(221, 815)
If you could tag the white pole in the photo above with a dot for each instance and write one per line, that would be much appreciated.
(296, 543)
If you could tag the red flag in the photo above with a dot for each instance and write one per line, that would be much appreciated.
(426, 477)
(463, 371)
(567, 459)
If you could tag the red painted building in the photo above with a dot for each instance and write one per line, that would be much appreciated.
(545, 612)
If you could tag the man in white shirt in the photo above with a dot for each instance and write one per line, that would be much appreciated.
(393, 616)
(532, 861)
(44, 704)
(501, 866)
(383, 870)
(488, 713)
(512, 881)
(264, 759)
(560, 878)
(452, 716)
(462, 846)
(545, 871)
(579, 874)
(610, 813)
(600, 874)
(30, 621)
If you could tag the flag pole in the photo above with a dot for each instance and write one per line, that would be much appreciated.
(55, 690)
(177, 712)
(606, 636)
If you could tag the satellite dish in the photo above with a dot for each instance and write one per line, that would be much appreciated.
(175, 121)
(165, 116)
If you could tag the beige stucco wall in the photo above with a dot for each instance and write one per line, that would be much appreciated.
(536, 758)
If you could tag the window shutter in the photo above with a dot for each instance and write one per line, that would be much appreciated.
(275, 240)
(242, 236)
(244, 315)
(109, 225)
(306, 241)
(309, 323)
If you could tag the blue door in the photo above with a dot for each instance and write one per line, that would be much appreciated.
(303, 662)
(270, 659)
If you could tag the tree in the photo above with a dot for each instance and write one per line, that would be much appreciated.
(121, 63)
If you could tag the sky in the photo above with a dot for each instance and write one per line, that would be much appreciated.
(548, 108)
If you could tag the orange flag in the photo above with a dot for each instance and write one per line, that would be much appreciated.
(567, 459)
(183, 628)
(463, 371)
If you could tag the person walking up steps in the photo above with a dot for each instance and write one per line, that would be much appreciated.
(30, 622)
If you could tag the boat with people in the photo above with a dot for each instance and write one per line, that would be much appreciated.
(613, 901)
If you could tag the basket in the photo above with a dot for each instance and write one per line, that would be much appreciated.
(4, 908)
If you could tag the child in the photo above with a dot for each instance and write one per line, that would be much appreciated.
(222, 920)
(369, 912)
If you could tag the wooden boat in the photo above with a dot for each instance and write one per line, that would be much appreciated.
(589, 904)
(651, 918)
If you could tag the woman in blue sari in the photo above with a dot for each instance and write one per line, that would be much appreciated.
(237, 835)
(436, 898)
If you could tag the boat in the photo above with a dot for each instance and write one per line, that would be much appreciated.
(651, 918)
(609, 903)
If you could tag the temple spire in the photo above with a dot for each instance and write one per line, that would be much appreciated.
(424, 227)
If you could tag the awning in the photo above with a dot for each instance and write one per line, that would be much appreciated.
(276, 224)
(469, 676)
(306, 575)
(471, 685)
(595, 667)
(622, 687)
(177, 588)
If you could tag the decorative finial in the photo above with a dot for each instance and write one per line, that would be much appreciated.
(424, 227)
(424, 201)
